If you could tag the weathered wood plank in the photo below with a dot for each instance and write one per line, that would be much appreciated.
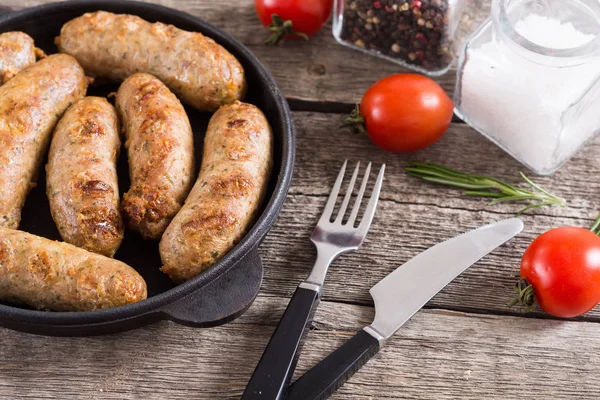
(399, 233)
(437, 355)
(320, 70)
(414, 215)
(323, 145)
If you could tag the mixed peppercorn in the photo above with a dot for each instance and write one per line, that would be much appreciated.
(414, 31)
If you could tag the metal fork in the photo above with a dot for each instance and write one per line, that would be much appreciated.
(331, 237)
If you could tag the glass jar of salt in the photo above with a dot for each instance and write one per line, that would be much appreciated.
(529, 79)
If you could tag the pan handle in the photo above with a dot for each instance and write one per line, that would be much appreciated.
(221, 300)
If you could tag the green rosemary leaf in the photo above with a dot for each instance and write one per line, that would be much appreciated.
(596, 225)
(506, 186)
(426, 172)
(537, 187)
(435, 167)
(536, 205)
(482, 194)
(462, 185)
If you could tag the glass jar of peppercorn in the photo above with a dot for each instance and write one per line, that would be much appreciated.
(424, 35)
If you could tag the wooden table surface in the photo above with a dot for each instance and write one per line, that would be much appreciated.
(465, 344)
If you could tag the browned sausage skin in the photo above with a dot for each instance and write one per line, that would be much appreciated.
(81, 175)
(160, 147)
(237, 162)
(201, 72)
(30, 105)
(57, 276)
(17, 52)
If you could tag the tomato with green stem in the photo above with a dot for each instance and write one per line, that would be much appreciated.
(403, 113)
(561, 269)
(293, 18)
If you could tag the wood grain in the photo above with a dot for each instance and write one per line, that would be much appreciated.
(466, 345)
(320, 70)
(437, 355)
(414, 215)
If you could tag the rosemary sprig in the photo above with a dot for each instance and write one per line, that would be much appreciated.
(486, 186)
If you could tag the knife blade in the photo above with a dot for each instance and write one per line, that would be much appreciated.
(406, 290)
(397, 298)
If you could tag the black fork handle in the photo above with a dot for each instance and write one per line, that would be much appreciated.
(274, 371)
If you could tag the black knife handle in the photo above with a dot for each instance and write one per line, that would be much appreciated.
(326, 377)
(274, 371)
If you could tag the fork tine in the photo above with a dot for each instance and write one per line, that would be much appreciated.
(370, 210)
(333, 195)
(344, 205)
(359, 197)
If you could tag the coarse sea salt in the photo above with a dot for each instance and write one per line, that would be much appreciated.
(530, 109)
(552, 33)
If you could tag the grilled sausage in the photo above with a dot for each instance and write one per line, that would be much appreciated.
(57, 276)
(17, 52)
(224, 202)
(113, 46)
(160, 147)
(30, 105)
(82, 176)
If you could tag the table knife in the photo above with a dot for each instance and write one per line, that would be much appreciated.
(397, 298)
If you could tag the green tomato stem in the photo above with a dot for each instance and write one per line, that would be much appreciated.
(356, 121)
(280, 29)
(524, 296)
(596, 225)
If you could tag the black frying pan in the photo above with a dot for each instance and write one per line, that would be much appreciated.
(215, 297)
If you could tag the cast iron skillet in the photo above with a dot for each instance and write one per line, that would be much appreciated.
(215, 297)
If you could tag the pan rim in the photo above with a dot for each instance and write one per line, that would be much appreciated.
(249, 242)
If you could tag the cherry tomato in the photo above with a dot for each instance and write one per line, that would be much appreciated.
(406, 112)
(307, 16)
(563, 266)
